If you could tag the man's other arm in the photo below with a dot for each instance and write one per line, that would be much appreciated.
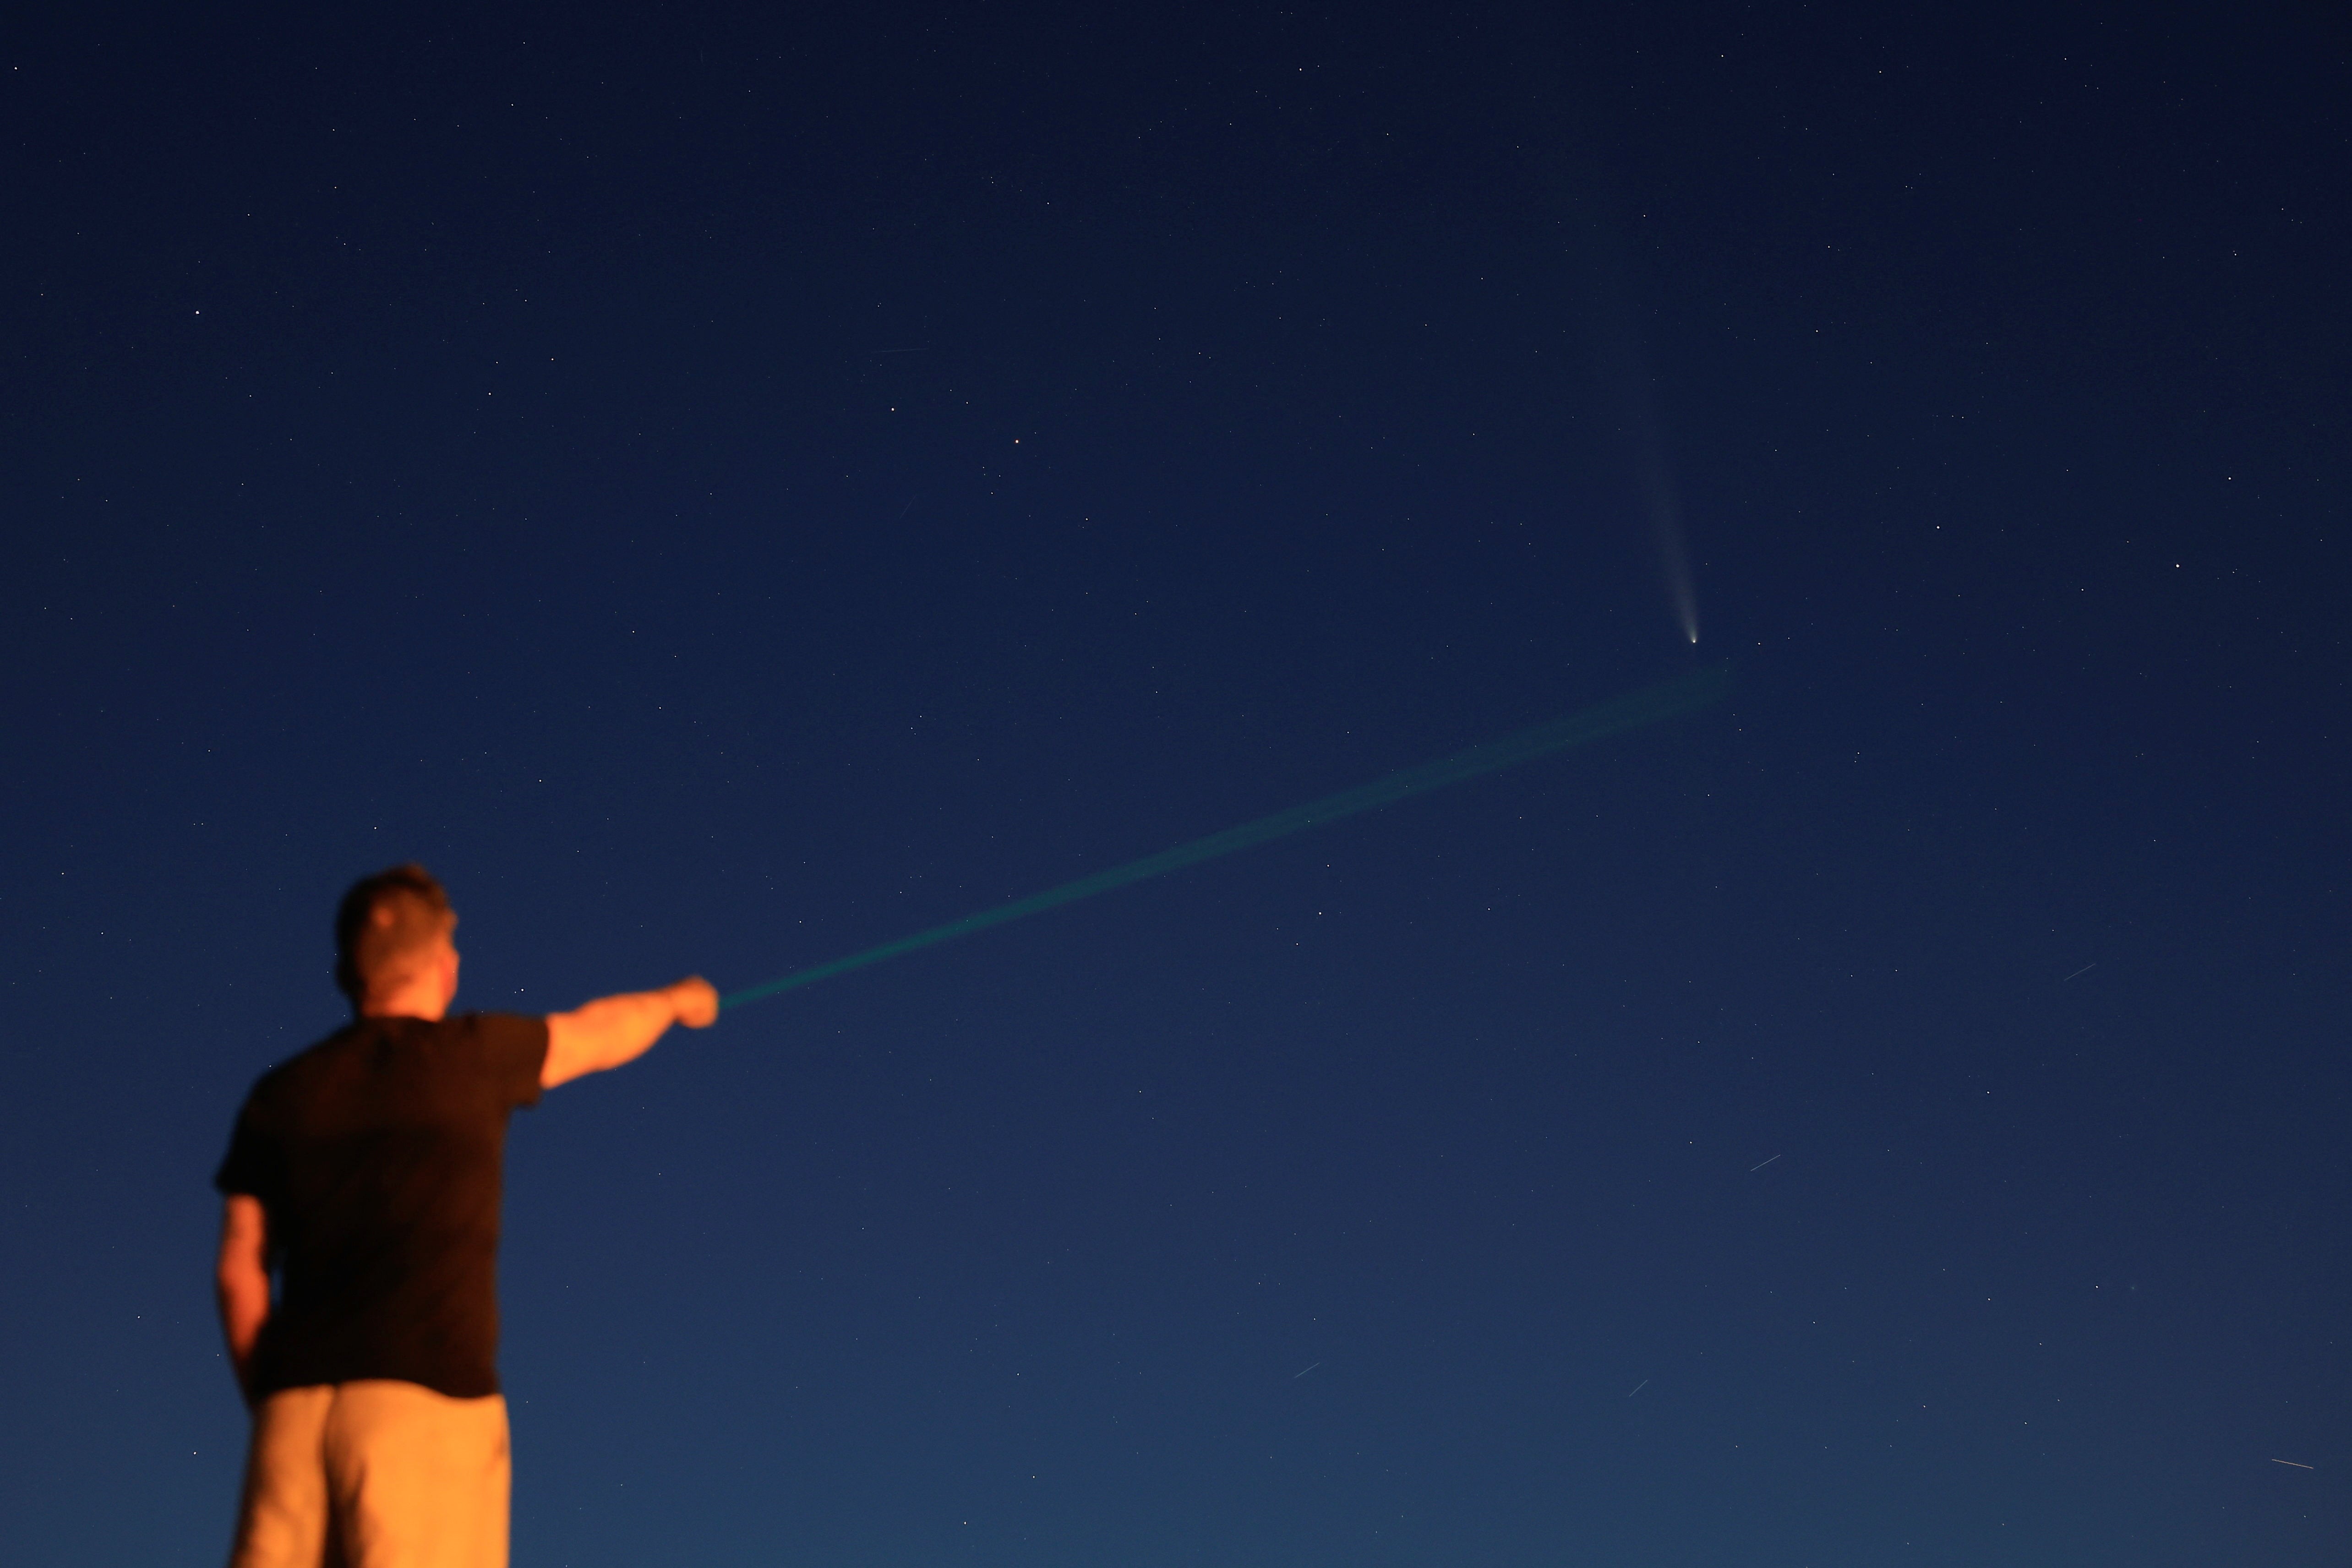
(241, 1280)
(613, 1030)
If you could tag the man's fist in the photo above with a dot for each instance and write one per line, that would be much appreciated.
(697, 1002)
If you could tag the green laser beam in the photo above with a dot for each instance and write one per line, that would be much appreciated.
(1645, 706)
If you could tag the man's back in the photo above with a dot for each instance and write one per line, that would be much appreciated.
(377, 1155)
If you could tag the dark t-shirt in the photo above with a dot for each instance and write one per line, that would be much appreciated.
(378, 1156)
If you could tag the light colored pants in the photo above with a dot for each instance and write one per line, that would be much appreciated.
(376, 1474)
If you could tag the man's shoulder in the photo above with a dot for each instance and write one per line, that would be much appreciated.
(498, 1053)
(496, 1020)
(311, 1058)
(493, 1030)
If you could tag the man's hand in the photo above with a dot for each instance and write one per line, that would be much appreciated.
(616, 1029)
(696, 1001)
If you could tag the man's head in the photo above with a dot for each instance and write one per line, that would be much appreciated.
(393, 948)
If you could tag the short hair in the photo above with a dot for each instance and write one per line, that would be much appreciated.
(383, 920)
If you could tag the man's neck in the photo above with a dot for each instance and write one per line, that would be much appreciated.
(406, 1005)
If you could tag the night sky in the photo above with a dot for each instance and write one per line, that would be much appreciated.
(724, 490)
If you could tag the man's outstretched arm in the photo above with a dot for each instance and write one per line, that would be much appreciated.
(241, 1280)
(613, 1030)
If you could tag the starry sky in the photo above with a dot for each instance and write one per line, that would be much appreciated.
(725, 489)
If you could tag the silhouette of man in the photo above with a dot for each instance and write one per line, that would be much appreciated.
(367, 1171)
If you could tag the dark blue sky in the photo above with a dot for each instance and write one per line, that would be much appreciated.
(724, 491)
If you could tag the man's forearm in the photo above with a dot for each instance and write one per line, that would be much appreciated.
(244, 1308)
(241, 1282)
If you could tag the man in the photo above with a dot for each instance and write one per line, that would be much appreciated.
(368, 1170)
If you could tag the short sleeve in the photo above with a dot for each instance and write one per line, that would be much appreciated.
(255, 1162)
(513, 1053)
